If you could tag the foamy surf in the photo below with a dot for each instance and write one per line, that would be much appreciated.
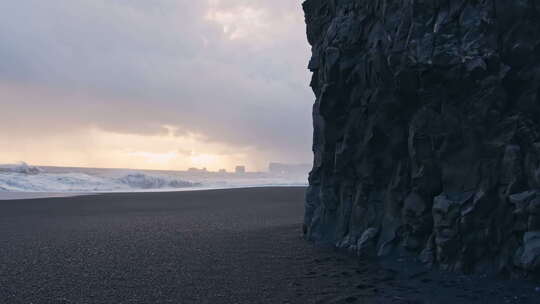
(25, 181)
(25, 178)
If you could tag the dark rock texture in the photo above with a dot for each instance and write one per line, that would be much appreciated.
(427, 130)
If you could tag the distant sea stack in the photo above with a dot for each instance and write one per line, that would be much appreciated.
(427, 131)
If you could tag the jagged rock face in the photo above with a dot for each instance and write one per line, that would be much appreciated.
(426, 130)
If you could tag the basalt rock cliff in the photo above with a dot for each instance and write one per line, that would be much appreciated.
(427, 131)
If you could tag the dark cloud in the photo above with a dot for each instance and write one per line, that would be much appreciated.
(134, 66)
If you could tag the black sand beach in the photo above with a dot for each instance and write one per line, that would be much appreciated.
(217, 246)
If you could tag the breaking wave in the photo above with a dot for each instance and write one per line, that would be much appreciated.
(143, 181)
(24, 178)
(21, 167)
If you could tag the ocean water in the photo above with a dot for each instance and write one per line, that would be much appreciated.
(25, 178)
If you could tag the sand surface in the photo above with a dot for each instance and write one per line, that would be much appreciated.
(217, 246)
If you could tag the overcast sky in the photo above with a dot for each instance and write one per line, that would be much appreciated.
(165, 84)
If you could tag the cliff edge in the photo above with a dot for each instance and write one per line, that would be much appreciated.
(427, 131)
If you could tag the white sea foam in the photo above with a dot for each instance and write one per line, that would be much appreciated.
(21, 167)
(25, 178)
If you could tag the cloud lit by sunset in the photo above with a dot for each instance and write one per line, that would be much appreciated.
(171, 85)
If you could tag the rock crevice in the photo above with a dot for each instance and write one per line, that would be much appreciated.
(427, 131)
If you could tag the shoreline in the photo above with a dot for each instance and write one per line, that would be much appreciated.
(22, 195)
(13, 195)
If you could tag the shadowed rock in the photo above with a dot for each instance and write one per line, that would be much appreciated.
(426, 130)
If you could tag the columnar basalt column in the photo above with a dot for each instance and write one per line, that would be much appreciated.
(427, 130)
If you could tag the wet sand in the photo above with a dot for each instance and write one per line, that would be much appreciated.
(5, 196)
(216, 246)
